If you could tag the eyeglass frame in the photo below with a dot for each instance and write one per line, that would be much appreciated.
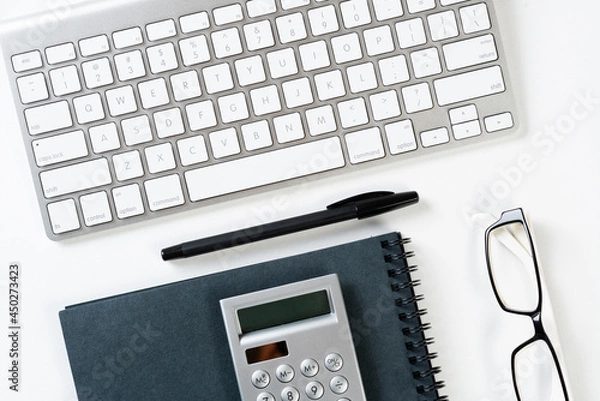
(518, 216)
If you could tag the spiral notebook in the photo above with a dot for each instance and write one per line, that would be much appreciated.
(169, 342)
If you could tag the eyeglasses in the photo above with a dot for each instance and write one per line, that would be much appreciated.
(515, 276)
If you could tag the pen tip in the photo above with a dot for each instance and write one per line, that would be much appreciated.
(171, 253)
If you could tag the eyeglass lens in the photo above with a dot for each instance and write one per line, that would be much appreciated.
(536, 374)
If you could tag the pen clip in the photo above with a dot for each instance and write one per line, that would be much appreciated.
(360, 198)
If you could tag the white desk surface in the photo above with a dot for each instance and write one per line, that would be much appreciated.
(554, 58)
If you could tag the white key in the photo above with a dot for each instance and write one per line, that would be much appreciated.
(33, 88)
(346, 48)
(297, 93)
(65, 81)
(463, 114)
(169, 123)
(353, 113)
(449, 2)
(314, 56)
(288, 128)
(192, 150)
(257, 135)
(442, 25)
(227, 43)
(47, 118)
(401, 137)
(60, 148)
(97, 73)
(201, 115)
(160, 158)
(291, 28)
(121, 101)
(289, 4)
(228, 14)
(411, 33)
(379, 40)
(75, 178)
(61, 53)
(233, 108)
(394, 70)
(94, 45)
(128, 165)
(153, 93)
(426, 62)
(128, 201)
(250, 70)
(265, 100)
(194, 50)
(136, 130)
(417, 98)
(365, 145)
(259, 35)
(282, 63)
(416, 6)
(217, 78)
(224, 143)
(96, 209)
(362, 77)
(63, 216)
(385, 105)
(128, 38)
(194, 22)
(130, 65)
(470, 52)
(498, 122)
(475, 18)
(27, 61)
(89, 108)
(323, 20)
(257, 8)
(161, 30)
(330, 85)
(321, 120)
(355, 13)
(105, 138)
(466, 130)
(162, 58)
(387, 9)
(266, 168)
(435, 137)
(469, 85)
(186, 85)
(164, 193)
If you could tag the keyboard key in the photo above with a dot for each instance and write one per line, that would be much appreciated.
(161, 30)
(162, 58)
(289, 4)
(282, 63)
(121, 101)
(224, 143)
(60, 148)
(257, 135)
(379, 40)
(415, 6)
(466, 130)
(95, 209)
(217, 78)
(160, 158)
(169, 123)
(353, 113)
(65, 81)
(426, 62)
(104, 138)
(194, 22)
(128, 201)
(258, 8)
(194, 50)
(27, 61)
(228, 14)
(463, 114)
(130, 65)
(435, 137)
(387, 9)
(297, 93)
(411, 33)
(470, 52)
(288, 128)
(164, 193)
(365, 145)
(136, 130)
(321, 120)
(75, 178)
(153, 93)
(227, 43)
(192, 150)
(499, 122)
(259, 35)
(346, 48)
(128, 38)
(33, 88)
(186, 86)
(61, 53)
(450, 2)
(394, 70)
(291, 28)
(88, 108)
(233, 108)
(266, 168)
(470, 85)
(362, 77)
(48, 118)
(401, 137)
(475, 18)
(355, 13)
(63, 216)
(417, 98)
(314, 56)
(97, 73)
(93, 46)
(385, 105)
(250, 70)
(201, 115)
(128, 165)
(330, 85)
(323, 20)
(442, 25)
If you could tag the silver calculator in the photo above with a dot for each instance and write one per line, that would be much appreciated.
(293, 343)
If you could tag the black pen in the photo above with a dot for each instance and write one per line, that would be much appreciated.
(357, 207)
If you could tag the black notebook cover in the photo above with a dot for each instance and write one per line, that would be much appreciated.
(169, 342)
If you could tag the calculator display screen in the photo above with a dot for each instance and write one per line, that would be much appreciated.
(284, 311)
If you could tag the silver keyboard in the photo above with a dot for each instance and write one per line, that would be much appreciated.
(135, 109)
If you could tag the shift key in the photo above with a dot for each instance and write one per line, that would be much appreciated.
(75, 178)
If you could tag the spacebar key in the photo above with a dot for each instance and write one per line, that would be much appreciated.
(267, 168)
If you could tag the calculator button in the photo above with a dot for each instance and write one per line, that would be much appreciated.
(261, 379)
(339, 385)
(309, 367)
(285, 373)
(290, 394)
(334, 362)
(314, 390)
(265, 397)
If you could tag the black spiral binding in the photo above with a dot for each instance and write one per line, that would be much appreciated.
(410, 317)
